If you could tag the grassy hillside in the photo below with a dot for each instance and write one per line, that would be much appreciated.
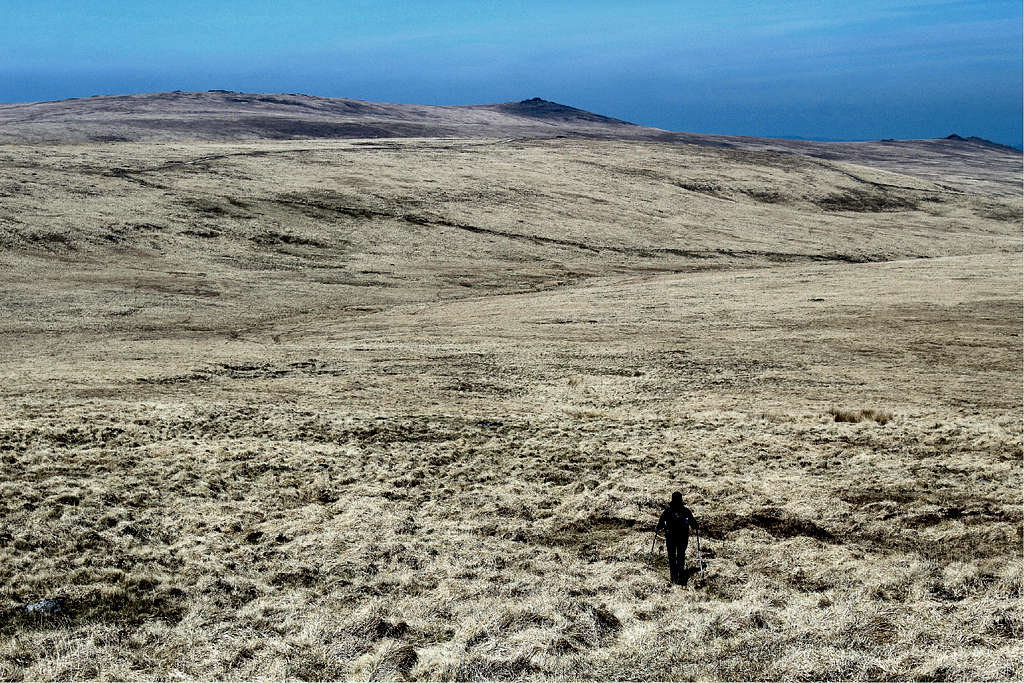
(955, 163)
(408, 409)
(195, 236)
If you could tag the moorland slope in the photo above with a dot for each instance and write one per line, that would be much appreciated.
(969, 164)
(408, 409)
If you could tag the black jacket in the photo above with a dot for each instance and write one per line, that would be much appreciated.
(676, 522)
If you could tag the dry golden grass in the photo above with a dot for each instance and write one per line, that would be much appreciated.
(413, 409)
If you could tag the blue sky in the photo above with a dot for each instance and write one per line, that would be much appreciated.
(865, 70)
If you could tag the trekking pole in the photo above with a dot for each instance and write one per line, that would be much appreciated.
(700, 560)
(651, 551)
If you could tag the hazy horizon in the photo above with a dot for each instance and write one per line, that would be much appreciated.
(882, 69)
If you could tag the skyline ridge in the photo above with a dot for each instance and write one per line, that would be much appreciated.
(956, 136)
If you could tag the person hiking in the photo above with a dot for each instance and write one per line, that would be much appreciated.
(676, 520)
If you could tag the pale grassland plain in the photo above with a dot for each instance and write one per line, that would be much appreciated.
(409, 410)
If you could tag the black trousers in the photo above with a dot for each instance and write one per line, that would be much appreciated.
(676, 547)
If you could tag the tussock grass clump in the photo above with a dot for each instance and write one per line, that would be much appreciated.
(863, 415)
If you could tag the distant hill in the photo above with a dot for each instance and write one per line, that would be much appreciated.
(222, 115)
(982, 141)
(965, 164)
(536, 108)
